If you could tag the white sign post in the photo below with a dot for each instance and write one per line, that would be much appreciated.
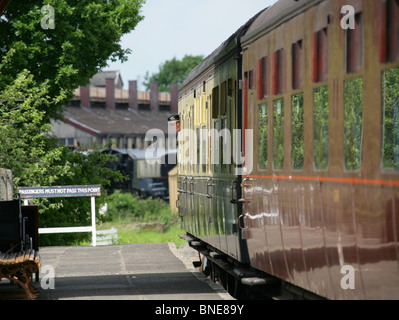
(66, 191)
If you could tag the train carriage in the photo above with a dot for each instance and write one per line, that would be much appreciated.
(209, 107)
(317, 84)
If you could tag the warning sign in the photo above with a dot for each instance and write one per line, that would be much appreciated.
(57, 192)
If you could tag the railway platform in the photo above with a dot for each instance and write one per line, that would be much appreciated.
(121, 272)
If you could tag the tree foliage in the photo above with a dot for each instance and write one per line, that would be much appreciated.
(172, 71)
(86, 35)
(37, 159)
(24, 147)
(40, 68)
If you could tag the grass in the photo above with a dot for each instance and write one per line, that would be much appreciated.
(141, 221)
(130, 234)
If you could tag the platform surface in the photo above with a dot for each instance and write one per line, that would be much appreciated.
(123, 272)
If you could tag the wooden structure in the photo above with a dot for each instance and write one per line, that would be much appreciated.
(19, 257)
(19, 267)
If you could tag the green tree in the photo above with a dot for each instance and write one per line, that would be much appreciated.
(86, 35)
(172, 71)
(37, 159)
(40, 68)
(24, 148)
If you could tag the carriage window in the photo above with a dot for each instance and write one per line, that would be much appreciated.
(198, 148)
(354, 46)
(389, 39)
(393, 30)
(390, 118)
(204, 106)
(223, 98)
(278, 134)
(278, 72)
(320, 56)
(297, 143)
(215, 102)
(197, 111)
(297, 65)
(216, 153)
(353, 124)
(204, 137)
(230, 89)
(262, 78)
(251, 80)
(224, 146)
(259, 79)
(263, 136)
(320, 128)
(193, 144)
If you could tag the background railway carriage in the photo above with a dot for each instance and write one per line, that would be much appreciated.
(323, 197)
(208, 188)
(146, 173)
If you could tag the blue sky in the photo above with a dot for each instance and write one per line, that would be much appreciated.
(174, 28)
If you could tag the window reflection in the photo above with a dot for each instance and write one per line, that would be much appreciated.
(297, 143)
(278, 134)
(320, 128)
(390, 118)
(263, 136)
(353, 124)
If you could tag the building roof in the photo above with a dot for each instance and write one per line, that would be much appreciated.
(98, 94)
(100, 121)
(99, 79)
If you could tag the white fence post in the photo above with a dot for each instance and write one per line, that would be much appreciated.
(66, 191)
(93, 221)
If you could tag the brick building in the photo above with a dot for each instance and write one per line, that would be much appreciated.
(103, 111)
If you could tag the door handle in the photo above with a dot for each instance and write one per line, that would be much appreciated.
(245, 185)
(189, 185)
(241, 217)
(233, 187)
(208, 184)
(182, 182)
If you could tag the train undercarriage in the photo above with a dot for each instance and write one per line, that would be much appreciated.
(240, 280)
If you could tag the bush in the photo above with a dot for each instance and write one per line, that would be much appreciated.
(126, 208)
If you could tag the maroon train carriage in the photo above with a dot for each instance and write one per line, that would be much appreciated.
(317, 84)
